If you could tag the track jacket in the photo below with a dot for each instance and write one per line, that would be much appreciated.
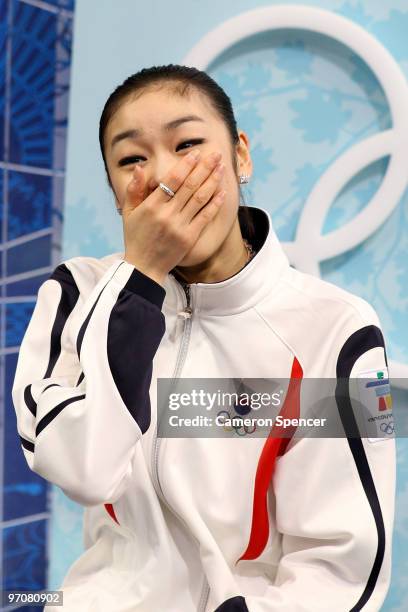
(198, 524)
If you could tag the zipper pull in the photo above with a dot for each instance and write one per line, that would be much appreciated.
(188, 311)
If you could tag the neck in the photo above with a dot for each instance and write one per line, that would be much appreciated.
(229, 259)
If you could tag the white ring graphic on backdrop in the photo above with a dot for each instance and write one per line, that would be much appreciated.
(310, 247)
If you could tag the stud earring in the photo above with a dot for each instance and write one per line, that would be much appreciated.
(119, 211)
(243, 178)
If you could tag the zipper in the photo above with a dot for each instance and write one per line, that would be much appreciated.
(186, 314)
(205, 593)
(188, 311)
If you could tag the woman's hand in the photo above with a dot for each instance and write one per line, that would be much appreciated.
(159, 230)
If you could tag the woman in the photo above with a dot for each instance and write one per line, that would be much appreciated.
(202, 290)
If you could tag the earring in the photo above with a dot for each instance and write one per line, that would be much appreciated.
(119, 211)
(243, 178)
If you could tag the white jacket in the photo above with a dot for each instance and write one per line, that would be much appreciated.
(198, 525)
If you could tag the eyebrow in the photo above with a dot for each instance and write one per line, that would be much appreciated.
(172, 125)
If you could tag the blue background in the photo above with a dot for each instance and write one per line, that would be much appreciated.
(35, 58)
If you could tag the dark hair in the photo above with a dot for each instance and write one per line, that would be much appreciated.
(182, 78)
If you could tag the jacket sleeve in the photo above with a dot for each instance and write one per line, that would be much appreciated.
(335, 501)
(81, 387)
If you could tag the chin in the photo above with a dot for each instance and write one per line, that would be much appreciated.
(198, 255)
(210, 241)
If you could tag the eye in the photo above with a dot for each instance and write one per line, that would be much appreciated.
(194, 141)
(132, 159)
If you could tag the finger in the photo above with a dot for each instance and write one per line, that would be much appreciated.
(177, 175)
(135, 191)
(195, 179)
(207, 214)
(203, 194)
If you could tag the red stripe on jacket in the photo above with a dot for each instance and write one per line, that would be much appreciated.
(273, 447)
(111, 512)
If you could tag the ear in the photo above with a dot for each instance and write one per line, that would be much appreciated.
(244, 160)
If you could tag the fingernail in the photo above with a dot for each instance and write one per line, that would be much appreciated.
(219, 170)
(194, 155)
(220, 197)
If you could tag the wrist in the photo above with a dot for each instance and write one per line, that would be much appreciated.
(156, 275)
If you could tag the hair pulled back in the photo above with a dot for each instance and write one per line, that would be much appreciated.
(182, 78)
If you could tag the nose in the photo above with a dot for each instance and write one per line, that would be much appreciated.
(159, 167)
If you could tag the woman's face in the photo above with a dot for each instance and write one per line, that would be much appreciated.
(157, 150)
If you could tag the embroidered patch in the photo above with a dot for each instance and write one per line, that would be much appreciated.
(375, 396)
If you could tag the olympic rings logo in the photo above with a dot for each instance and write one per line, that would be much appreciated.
(311, 246)
(387, 428)
(239, 430)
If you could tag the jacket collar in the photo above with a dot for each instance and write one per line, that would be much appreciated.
(247, 287)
